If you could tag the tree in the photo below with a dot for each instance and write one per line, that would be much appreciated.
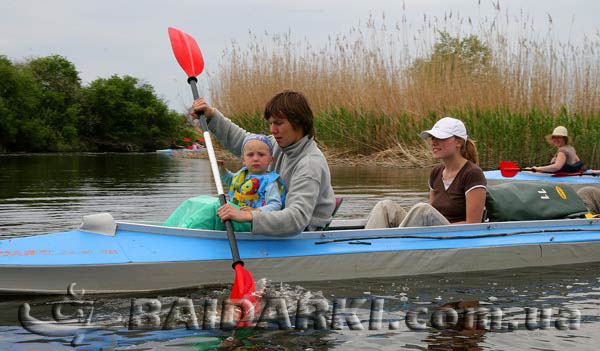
(60, 86)
(453, 53)
(57, 75)
(43, 107)
(123, 114)
(19, 101)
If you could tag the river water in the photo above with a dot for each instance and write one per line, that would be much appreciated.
(49, 193)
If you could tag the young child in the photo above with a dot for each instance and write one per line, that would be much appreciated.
(253, 187)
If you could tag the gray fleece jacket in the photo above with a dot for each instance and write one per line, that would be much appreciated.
(309, 202)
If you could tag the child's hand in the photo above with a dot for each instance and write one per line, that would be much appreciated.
(221, 164)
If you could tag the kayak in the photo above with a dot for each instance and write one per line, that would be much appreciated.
(169, 151)
(543, 177)
(124, 257)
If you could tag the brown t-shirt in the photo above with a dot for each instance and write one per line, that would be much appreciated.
(452, 203)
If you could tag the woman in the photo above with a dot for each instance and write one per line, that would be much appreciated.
(310, 200)
(565, 159)
(457, 186)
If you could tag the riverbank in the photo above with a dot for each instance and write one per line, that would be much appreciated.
(396, 157)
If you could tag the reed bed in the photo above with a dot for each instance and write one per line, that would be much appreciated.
(374, 88)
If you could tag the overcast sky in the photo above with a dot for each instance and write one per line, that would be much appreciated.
(130, 37)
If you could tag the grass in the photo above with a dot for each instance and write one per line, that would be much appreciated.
(374, 88)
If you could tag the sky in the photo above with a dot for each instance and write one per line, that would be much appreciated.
(129, 37)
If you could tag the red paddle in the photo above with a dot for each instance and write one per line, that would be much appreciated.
(190, 59)
(509, 169)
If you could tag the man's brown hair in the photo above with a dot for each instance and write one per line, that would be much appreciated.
(293, 106)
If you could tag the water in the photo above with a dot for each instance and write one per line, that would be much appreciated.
(49, 193)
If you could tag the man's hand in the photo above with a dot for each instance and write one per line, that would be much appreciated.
(200, 105)
(227, 211)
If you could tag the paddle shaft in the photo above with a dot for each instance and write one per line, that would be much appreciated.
(479, 236)
(217, 177)
(513, 169)
(575, 174)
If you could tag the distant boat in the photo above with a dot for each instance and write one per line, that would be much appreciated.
(169, 151)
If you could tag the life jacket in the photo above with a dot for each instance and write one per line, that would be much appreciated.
(575, 167)
(251, 192)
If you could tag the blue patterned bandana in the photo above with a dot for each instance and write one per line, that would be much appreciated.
(259, 137)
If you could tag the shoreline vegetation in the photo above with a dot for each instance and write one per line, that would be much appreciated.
(372, 90)
(45, 108)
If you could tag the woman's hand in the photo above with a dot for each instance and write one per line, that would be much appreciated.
(200, 105)
(247, 209)
(227, 211)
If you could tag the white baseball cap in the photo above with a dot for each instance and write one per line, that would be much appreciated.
(445, 128)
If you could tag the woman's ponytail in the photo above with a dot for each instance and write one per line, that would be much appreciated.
(469, 151)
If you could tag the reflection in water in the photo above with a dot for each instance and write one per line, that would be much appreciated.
(363, 187)
(50, 193)
(464, 333)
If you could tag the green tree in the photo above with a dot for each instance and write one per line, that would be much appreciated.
(468, 54)
(59, 112)
(19, 102)
(123, 114)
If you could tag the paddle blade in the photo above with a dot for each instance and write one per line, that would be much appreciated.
(508, 169)
(244, 288)
(186, 52)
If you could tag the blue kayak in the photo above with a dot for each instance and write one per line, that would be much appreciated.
(136, 257)
(543, 177)
(170, 151)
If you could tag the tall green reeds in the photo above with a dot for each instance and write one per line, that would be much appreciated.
(376, 87)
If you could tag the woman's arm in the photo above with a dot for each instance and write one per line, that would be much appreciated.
(561, 158)
(475, 205)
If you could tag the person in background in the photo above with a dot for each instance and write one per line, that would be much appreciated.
(565, 159)
(457, 187)
(310, 200)
(173, 145)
